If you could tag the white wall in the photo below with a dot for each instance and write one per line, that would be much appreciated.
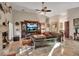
(22, 15)
(72, 14)
(60, 19)
(54, 19)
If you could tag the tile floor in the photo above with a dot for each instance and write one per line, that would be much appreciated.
(70, 48)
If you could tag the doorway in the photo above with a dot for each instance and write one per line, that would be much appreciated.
(67, 29)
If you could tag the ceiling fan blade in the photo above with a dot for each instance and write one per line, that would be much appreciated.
(48, 10)
(37, 10)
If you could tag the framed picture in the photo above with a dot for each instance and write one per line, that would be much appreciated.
(76, 22)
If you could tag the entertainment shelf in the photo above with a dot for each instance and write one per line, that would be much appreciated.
(30, 27)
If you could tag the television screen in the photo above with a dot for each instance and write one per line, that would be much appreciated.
(31, 27)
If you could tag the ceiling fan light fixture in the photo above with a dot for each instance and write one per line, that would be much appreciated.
(42, 13)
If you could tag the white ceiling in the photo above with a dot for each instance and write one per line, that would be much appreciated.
(56, 7)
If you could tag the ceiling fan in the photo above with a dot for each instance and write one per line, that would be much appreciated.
(44, 8)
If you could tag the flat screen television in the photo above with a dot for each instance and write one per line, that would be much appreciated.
(31, 27)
